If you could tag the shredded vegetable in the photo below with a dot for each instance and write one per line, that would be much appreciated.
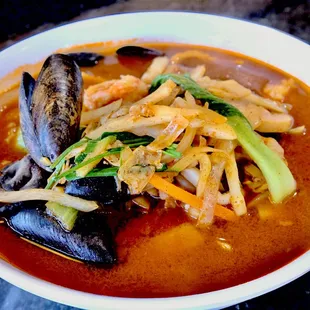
(182, 135)
(187, 198)
(280, 181)
(49, 195)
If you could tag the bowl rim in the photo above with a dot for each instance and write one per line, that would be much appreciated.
(143, 12)
(219, 298)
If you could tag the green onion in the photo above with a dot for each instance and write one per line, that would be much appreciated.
(90, 147)
(163, 168)
(126, 138)
(78, 159)
(66, 152)
(171, 151)
(137, 143)
(53, 177)
(105, 172)
(123, 136)
(84, 163)
(97, 172)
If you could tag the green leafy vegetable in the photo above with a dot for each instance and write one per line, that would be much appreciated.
(279, 178)
(127, 137)
(53, 177)
(90, 147)
(105, 172)
(96, 172)
(163, 168)
(86, 162)
(80, 158)
(66, 152)
(172, 151)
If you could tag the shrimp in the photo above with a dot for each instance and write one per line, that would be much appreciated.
(128, 88)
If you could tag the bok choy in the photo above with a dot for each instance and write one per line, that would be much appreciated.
(280, 180)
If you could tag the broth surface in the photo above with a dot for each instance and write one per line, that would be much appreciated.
(162, 253)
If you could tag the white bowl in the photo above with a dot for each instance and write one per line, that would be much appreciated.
(266, 44)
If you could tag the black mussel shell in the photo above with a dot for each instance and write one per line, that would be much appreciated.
(138, 51)
(23, 174)
(50, 108)
(57, 104)
(86, 59)
(90, 241)
(26, 89)
(102, 189)
(6, 211)
(30, 138)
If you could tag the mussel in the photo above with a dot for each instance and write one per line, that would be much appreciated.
(102, 189)
(25, 116)
(90, 241)
(86, 59)
(23, 174)
(138, 51)
(50, 109)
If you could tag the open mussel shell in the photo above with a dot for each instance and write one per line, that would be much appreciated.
(138, 51)
(90, 241)
(102, 189)
(86, 59)
(57, 105)
(50, 108)
(30, 138)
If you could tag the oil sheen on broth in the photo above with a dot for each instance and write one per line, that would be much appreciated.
(162, 253)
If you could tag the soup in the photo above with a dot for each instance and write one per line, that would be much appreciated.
(162, 249)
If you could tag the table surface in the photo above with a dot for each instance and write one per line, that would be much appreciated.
(291, 16)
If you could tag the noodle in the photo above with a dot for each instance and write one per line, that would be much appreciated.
(187, 143)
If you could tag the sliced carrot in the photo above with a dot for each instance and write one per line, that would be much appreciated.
(175, 192)
(224, 213)
(188, 198)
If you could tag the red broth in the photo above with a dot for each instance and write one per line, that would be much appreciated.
(162, 253)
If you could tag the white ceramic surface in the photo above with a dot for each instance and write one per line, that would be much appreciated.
(263, 43)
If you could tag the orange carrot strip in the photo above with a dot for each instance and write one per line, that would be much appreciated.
(188, 198)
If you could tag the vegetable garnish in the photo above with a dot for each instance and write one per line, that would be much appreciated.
(96, 172)
(127, 137)
(48, 195)
(65, 215)
(280, 180)
(88, 156)
(96, 150)
(84, 163)
(66, 152)
(53, 178)
(188, 198)
(172, 151)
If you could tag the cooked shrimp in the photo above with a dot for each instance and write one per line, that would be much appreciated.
(128, 88)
